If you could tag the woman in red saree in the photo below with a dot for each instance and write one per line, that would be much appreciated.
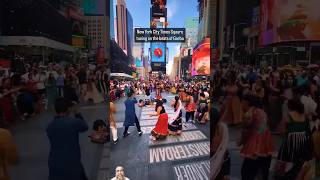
(160, 131)
(6, 102)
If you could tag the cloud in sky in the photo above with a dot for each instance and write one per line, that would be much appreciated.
(172, 8)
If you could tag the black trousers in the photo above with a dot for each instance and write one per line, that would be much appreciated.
(251, 167)
(137, 125)
(189, 115)
(61, 91)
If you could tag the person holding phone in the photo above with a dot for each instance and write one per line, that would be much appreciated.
(130, 114)
(63, 133)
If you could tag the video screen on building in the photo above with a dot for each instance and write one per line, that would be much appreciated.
(93, 7)
(201, 58)
(138, 62)
(294, 20)
(158, 52)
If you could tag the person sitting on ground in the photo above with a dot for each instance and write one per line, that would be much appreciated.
(161, 129)
(99, 133)
(141, 103)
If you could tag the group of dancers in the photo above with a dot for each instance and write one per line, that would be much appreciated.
(167, 126)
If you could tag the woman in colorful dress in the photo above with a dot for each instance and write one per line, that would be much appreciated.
(202, 111)
(232, 108)
(161, 129)
(256, 140)
(295, 149)
(190, 107)
(6, 101)
(182, 93)
(92, 92)
(175, 126)
(220, 160)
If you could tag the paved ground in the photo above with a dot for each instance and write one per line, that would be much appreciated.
(33, 146)
(184, 157)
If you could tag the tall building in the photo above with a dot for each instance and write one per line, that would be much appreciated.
(94, 30)
(115, 30)
(112, 32)
(191, 25)
(175, 68)
(122, 34)
(138, 56)
(203, 20)
(34, 38)
(130, 33)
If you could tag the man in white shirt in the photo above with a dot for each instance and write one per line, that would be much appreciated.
(120, 174)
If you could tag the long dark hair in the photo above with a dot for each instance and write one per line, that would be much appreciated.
(176, 98)
(159, 103)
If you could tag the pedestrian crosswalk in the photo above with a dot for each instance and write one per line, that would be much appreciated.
(192, 144)
(187, 155)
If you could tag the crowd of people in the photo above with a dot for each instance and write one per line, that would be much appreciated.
(24, 94)
(27, 92)
(193, 97)
(267, 104)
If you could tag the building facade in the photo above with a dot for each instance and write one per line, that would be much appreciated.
(191, 25)
(112, 25)
(122, 34)
(34, 38)
(130, 37)
(95, 31)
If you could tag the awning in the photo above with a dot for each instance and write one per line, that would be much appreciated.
(120, 75)
(34, 41)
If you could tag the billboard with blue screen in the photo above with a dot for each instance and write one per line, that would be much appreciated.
(138, 62)
(158, 52)
(93, 7)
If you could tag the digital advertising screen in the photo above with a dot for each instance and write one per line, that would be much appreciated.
(78, 41)
(93, 7)
(294, 20)
(158, 52)
(201, 58)
(138, 62)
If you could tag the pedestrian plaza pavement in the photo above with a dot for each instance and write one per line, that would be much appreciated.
(176, 157)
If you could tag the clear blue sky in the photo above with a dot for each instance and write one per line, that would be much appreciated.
(178, 12)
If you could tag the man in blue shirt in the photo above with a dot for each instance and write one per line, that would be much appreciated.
(130, 115)
(63, 133)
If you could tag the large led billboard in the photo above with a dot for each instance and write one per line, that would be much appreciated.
(93, 7)
(294, 20)
(201, 58)
(138, 62)
(158, 52)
